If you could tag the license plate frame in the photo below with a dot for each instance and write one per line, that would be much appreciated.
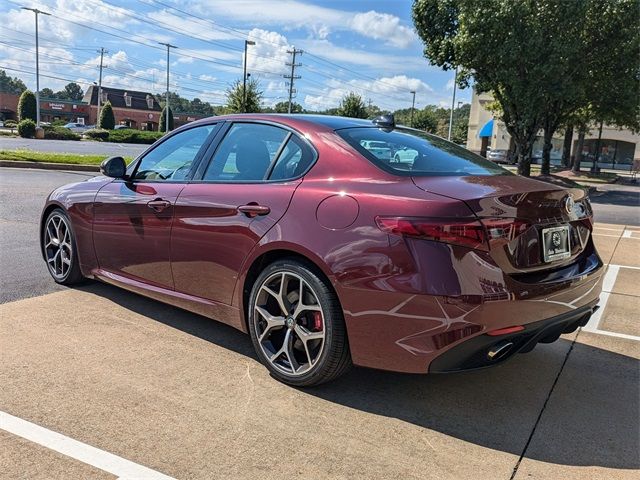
(550, 250)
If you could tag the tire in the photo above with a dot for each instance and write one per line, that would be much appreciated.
(60, 250)
(307, 346)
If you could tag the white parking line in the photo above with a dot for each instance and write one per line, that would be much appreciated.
(122, 468)
(607, 288)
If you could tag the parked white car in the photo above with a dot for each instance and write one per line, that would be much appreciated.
(77, 127)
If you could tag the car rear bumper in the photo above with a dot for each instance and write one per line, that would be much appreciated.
(407, 332)
(486, 350)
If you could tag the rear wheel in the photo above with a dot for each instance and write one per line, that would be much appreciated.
(297, 326)
(60, 250)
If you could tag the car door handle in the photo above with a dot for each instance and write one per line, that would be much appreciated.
(253, 210)
(158, 204)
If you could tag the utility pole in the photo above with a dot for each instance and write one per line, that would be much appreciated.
(244, 76)
(453, 102)
(36, 11)
(102, 52)
(169, 47)
(293, 76)
(413, 106)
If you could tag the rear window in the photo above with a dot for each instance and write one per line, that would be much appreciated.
(415, 153)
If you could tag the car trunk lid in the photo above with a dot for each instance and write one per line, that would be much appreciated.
(538, 209)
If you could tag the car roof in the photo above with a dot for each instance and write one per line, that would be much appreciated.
(332, 122)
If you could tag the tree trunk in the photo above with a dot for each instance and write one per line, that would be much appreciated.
(523, 152)
(546, 152)
(566, 147)
(578, 153)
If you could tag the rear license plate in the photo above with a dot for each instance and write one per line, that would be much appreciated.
(556, 243)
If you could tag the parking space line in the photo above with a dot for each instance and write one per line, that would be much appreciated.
(110, 463)
(607, 288)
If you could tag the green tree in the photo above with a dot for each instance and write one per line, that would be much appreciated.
(283, 107)
(499, 44)
(72, 91)
(425, 119)
(235, 97)
(11, 85)
(47, 93)
(27, 106)
(107, 119)
(163, 120)
(353, 106)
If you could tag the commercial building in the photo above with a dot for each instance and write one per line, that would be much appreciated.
(138, 110)
(618, 147)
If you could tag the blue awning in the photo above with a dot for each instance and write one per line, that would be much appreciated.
(487, 129)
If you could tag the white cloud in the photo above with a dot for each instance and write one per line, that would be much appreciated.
(382, 26)
(267, 58)
(320, 21)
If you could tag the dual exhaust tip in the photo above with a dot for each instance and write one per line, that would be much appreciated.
(499, 350)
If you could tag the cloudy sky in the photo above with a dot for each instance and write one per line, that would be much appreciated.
(367, 46)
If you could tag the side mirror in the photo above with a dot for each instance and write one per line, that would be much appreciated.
(114, 167)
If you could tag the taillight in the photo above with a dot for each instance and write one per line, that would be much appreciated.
(476, 234)
(468, 233)
(503, 230)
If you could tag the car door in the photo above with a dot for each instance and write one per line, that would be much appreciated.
(133, 216)
(220, 216)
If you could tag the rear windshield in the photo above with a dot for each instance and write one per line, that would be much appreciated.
(415, 153)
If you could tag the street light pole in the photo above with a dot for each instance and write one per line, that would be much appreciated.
(166, 124)
(453, 102)
(36, 11)
(413, 105)
(244, 76)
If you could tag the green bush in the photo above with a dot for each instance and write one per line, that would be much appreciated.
(133, 136)
(27, 128)
(59, 133)
(107, 119)
(27, 106)
(97, 134)
(10, 123)
(59, 123)
(163, 119)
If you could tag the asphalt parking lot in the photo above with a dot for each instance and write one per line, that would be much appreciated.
(101, 383)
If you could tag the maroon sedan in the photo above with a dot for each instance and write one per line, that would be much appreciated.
(334, 241)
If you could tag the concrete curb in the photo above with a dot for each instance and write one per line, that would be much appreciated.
(49, 166)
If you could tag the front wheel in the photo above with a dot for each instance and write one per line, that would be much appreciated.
(297, 326)
(60, 250)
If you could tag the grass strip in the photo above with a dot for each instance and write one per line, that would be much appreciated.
(71, 158)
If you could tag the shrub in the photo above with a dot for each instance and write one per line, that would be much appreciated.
(59, 123)
(98, 134)
(133, 136)
(107, 119)
(59, 133)
(27, 106)
(27, 128)
(10, 123)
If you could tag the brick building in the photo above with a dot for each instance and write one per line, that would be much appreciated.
(138, 110)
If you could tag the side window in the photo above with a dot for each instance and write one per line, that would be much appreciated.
(172, 159)
(245, 153)
(293, 161)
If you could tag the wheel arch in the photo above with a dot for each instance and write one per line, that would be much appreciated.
(266, 258)
(43, 218)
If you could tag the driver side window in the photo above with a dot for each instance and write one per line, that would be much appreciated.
(172, 159)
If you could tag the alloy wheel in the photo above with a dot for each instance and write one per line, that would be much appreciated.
(58, 246)
(289, 323)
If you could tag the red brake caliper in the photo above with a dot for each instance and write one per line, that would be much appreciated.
(317, 321)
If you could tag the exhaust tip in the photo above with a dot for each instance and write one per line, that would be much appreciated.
(499, 350)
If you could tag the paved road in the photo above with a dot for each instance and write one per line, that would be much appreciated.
(183, 395)
(70, 146)
(617, 204)
(23, 191)
(22, 195)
